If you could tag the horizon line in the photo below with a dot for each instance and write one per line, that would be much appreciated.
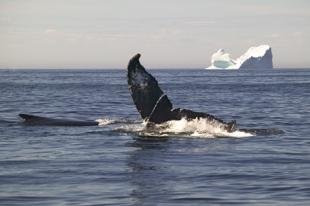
(119, 68)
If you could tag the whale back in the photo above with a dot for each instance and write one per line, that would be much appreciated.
(45, 121)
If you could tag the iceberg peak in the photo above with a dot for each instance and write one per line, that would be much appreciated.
(254, 57)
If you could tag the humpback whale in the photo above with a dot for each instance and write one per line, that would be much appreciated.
(154, 106)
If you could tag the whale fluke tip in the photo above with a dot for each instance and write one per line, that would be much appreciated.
(134, 63)
(138, 55)
(135, 58)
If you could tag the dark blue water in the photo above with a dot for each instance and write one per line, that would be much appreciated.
(112, 165)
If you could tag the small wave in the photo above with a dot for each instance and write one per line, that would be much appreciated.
(6, 121)
(264, 131)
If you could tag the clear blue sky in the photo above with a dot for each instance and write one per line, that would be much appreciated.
(168, 33)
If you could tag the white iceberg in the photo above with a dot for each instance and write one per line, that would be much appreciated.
(254, 58)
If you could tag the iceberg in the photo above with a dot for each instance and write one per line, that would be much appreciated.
(259, 57)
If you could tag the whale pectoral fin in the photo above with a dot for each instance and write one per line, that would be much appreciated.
(161, 111)
(143, 87)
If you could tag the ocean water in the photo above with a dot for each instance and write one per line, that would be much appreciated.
(116, 163)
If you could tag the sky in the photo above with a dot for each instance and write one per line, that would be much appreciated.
(168, 33)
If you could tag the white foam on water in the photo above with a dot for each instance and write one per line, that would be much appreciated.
(131, 128)
(105, 121)
(198, 127)
(202, 128)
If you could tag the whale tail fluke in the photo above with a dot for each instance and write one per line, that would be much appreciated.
(143, 87)
(161, 111)
(151, 102)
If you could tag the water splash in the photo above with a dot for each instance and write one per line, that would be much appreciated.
(131, 128)
(202, 128)
(105, 121)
